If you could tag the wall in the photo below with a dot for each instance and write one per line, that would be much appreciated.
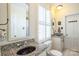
(33, 14)
(67, 9)
(3, 19)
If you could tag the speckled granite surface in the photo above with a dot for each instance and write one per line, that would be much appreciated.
(11, 49)
(0, 51)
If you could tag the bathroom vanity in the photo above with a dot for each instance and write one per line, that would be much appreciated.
(57, 42)
(13, 48)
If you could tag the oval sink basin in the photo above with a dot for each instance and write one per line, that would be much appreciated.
(26, 50)
(58, 34)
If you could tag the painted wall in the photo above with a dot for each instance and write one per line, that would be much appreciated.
(59, 15)
(3, 20)
(33, 14)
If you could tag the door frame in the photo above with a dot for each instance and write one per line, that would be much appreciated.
(66, 20)
(66, 26)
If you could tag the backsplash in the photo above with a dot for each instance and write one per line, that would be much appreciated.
(3, 33)
(11, 49)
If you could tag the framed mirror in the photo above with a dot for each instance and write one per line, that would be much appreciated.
(59, 22)
(19, 24)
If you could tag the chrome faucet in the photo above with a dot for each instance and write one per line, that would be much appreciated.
(2, 29)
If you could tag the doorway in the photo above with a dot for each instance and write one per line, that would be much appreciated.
(72, 31)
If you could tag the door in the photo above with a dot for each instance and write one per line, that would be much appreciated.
(17, 17)
(72, 31)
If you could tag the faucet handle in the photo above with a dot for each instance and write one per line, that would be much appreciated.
(18, 44)
(25, 42)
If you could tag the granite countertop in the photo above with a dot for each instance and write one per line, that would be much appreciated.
(11, 49)
(38, 50)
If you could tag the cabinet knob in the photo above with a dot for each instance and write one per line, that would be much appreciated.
(14, 35)
(23, 28)
(66, 34)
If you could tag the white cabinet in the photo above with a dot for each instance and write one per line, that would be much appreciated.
(57, 43)
(17, 13)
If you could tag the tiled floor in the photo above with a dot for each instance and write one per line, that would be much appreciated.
(66, 52)
(43, 53)
(70, 52)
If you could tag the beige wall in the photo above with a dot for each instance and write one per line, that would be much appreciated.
(3, 19)
(67, 9)
(33, 14)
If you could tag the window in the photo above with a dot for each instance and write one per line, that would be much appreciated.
(44, 24)
(48, 25)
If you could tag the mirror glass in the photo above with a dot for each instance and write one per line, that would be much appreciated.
(18, 14)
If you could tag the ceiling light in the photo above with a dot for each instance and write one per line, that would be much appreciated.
(59, 7)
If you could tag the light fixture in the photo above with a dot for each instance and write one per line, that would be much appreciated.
(59, 7)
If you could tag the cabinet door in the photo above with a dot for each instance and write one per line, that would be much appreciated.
(57, 43)
(17, 17)
(72, 31)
